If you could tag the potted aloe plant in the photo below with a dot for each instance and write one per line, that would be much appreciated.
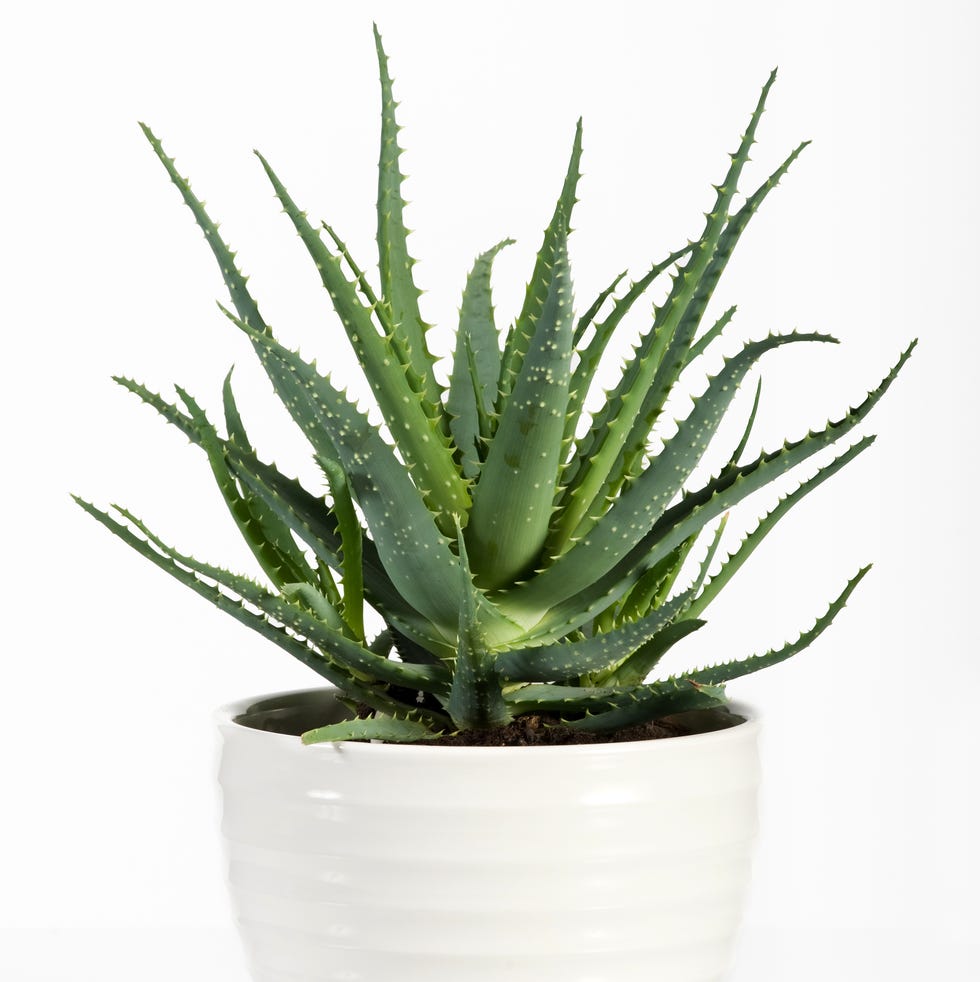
(532, 563)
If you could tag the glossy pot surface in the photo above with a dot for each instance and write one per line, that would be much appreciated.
(361, 862)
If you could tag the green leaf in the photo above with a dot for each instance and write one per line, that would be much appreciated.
(591, 356)
(235, 281)
(233, 420)
(394, 260)
(269, 540)
(747, 432)
(736, 669)
(476, 364)
(305, 514)
(568, 659)
(539, 287)
(389, 729)
(361, 662)
(585, 321)
(523, 460)
(751, 541)
(414, 552)
(568, 594)
(351, 539)
(683, 349)
(634, 403)
(632, 514)
(313, 522)
(270, 525)
(655, 584)
(381, 310)
(729, 239)
(709, 556)
(171, 413)
(317, 528)
(372, 696)
(711, 335)
(476, 700)
(645, 659)
(545, 698)
(323, 628)
(680, 351)
(649, 702)
(485, 419)
(316, 601)
(653, 588)
(414, 424)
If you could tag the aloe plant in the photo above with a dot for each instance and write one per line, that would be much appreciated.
(521, 562)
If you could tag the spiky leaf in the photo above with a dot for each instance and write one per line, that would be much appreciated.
(389, 729)
(523, 460)
(633, 513)
(567, 659)
(540, 286)
(645, 659)
(352, 545)
(235, 281)
(591, 356)
(568, 594)
(413, 422)
(751, 541)
(717, 674)
(476, 363)
(476, 700)
(334, 673)
(617, 421)
(586, 320)
(394, 261)
(414, 552)
(267, 537)
(644, 703)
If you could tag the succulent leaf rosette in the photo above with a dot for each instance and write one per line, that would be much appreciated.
(527, 556)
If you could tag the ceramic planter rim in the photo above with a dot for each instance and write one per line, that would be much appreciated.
(227, 715)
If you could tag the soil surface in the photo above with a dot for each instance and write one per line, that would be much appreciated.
(543, 731)
(293, 715)
(540, 730)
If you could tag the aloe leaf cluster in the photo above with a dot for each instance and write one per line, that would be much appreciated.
(525, 555)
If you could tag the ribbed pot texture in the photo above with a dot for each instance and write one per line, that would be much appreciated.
(372, 862)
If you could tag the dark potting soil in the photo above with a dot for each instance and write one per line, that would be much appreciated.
(539, 730)
(536, 730)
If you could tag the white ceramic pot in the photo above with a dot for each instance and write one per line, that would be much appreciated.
(372, 862)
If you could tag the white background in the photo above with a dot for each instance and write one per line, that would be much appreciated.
(868, 861)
